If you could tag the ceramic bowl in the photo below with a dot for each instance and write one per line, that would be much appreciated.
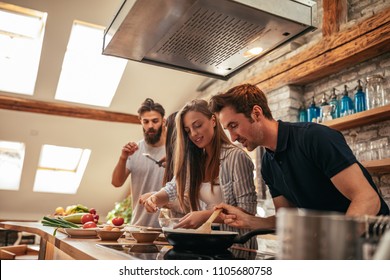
(109, 235)
(145, 236)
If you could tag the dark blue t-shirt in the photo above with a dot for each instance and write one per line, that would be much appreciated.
(307, 155)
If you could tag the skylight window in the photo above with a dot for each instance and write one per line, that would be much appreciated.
(60, 169)
(21, 37)
(11, 164)
(87, 76)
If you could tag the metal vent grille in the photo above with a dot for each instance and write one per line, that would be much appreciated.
(209, 37)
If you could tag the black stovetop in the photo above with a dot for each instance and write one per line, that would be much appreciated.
(161, 252)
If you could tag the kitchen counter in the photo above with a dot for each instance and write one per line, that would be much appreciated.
(63, 247)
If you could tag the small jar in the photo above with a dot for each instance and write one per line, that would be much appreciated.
(375, 96)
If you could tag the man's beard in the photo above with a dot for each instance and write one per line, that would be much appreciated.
(152, 139)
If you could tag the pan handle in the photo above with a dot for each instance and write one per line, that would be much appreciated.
(241, 239)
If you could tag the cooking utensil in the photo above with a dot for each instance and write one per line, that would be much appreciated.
(206, 227)
(150, 157)
(315, 235)
(190, 239)
(383, 250)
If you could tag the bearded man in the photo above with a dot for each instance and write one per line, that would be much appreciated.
(146, 175)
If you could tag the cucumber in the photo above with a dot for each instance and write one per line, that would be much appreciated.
(74, 218)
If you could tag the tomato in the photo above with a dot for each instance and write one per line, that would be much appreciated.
(89, 225)
(118, 221)
(96, 218)
(86, 218)
(92, 211)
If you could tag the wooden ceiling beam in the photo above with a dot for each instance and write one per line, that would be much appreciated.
(333, 53)
(334, 14)
(61, 109)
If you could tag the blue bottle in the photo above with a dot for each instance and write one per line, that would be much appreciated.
(346, 104)
(313, 111)
(360, 98)
(302, 114)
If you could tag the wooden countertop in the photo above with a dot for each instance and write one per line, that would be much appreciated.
(76, 248)
(65, 247)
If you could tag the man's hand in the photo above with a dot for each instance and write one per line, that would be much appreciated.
(234, 216)
(163, 162)
(129, 149)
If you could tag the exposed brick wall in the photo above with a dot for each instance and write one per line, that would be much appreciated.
(285, 101)
(364, 134)
(360, 9)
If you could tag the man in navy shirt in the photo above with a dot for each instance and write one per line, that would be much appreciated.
(306, 165)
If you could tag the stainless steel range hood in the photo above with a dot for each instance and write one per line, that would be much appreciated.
(214, 38)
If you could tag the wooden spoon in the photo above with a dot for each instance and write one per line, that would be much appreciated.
(206, 227)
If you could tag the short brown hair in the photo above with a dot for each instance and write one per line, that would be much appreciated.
(149, 105)
(242, 98)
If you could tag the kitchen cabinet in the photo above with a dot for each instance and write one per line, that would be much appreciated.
(365, 118)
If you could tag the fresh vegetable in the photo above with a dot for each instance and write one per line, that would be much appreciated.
(79, 208)
(86, 218)
(89, 225)
(92, 211)
(59, 211)
(96, 218)
(118, 221)
(107, 227)
(74, 218)
(122, 209)
(57, 222)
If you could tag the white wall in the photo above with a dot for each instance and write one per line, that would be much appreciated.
(105, 140)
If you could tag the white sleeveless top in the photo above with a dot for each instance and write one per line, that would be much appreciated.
(207, 198)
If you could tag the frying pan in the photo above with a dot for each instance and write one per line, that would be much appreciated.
(190, 239)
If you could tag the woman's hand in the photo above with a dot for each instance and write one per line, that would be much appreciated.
(149, 201)
(152, 201)
(194, 219)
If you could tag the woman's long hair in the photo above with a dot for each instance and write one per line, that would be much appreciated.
(169, 147)
(190, 161)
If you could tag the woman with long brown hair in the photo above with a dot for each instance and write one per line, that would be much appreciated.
(208, 170)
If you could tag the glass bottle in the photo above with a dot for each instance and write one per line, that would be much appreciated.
(325, 109)
(346, 104)
(302, 114)
(335, 103)
(360, 98)
(374, 92)
(313, 111)
(386, 91)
